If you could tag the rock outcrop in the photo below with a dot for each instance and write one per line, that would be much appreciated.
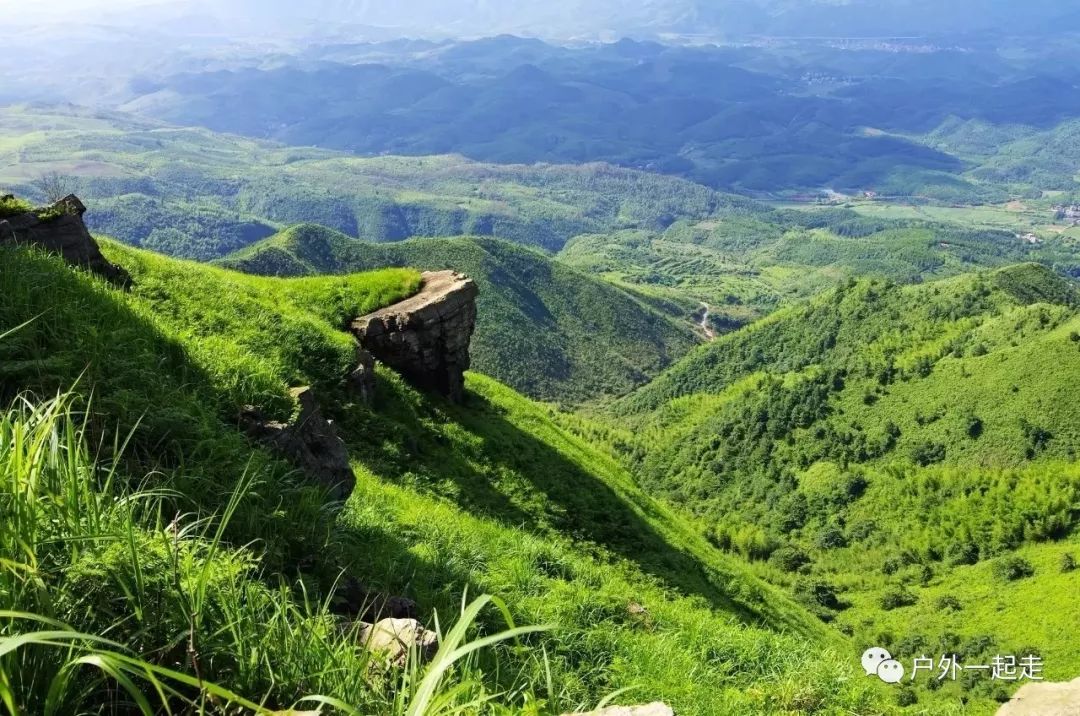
(310, 442)
(60, 229)
(362, 379)
(393, 639)
(426, 337)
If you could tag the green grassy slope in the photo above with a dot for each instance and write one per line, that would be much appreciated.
(493, 496)
(864, 448)
(545, 329)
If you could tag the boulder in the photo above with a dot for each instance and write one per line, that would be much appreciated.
(394, 638)
(426, 337)
(310, 442)
(653, 709)
(60, 229)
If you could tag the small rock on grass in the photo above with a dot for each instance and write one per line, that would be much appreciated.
(393, 638)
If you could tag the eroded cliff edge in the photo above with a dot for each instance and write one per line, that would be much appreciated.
(60, 229)
(426, 337)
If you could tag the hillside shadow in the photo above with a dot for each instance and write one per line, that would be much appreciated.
(499, 470)
(590, 511)
(150, 408)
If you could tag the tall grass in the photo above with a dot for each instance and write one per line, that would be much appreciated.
(109, 605)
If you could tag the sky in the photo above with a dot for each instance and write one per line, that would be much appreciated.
(58, 9)
(563, 18)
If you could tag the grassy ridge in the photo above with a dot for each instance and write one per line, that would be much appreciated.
(545, 329)
(494, 496)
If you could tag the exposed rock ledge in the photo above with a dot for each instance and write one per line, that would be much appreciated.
(311, 442)
(63, 233)
(426, 337)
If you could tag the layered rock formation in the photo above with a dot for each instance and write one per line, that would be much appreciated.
(60, 229)
(426, 337)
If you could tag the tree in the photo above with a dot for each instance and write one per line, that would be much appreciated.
(55, 186)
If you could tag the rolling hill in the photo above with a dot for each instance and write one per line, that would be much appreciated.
(495, 496)
(879, 445)
(767, 119)
(196, 194)
(744, 267)
(547, 330)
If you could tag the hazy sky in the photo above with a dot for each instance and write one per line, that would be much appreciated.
(563, 18)
(15, 8)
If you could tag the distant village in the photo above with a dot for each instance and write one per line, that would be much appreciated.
(1068, 213)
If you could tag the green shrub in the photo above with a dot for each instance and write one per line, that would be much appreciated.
(793, 513)
(927, 453)
(832, 537)
(789, 558)
(963, 552)
(1068, 562)
(817, 592)
(948, 603)
(1010, 569)
(894, 564)
(897, 596)
(906, 697)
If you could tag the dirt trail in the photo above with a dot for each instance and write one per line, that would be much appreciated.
(709, 332)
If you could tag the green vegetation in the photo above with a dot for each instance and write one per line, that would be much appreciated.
(149, 591)
(543, 328)
(195, 194)
(675, 244)
(876, 446)
(880, 441)
(216, 563)
(744, 266)
(10, 206)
